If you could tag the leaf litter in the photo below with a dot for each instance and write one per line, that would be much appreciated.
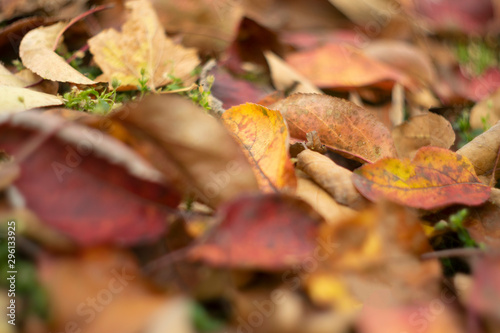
(351, 186)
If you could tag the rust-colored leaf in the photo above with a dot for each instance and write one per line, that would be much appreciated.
(85, 184)
(142, 46)
(343, 66)
(435, 178)
(270, 232)
(263, 135)
(341, 125)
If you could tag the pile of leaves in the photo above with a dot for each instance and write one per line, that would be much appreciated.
(227, 166)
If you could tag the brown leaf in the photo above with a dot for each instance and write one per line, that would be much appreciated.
(142, 46)
(321, 201)
(343, 66)
(263, 136)
(483, 150)
(429, 129)
(37, 54)
(196, 144)
(85, 184)
(270, 232)
(435, 178)
(341, 125)
(332, 177)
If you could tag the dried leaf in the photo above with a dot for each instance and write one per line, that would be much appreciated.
(196, 144)
(14, 99)
(263, 136)
(284, 77)
(341, 125)
(270, 232)
(142, 46)
(332, 177)
(483, 150)
(321, 201)
(37, 54)
(435, 178)
(429, 129)
(85, 184)
(343, 66)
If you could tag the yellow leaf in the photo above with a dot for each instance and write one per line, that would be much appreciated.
(141, 46)
(263, 135)
(37, 54)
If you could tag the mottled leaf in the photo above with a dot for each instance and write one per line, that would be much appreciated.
(341, 125)
(435, 178)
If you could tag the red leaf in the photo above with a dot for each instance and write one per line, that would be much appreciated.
(85, 184)
(268, 232)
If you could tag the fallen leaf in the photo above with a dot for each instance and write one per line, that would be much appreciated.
(268, 232)
(85, 184)
(284, 77)
(263, 136)
(196, 144)
(429, 129)
(37, 54)
(343, 66)
(435, 178)
(341, 125)
(233, 91)
(94, 289)
(333, 178)
(406, 57)
(378, 251)
(321, 201)
(142, 46)
(483, 150)
(486, 112)
(14, 99)
(483, 225)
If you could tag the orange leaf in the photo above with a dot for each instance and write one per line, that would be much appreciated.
(435, 178)
(336, 65)
(341, 125)
(263, 135)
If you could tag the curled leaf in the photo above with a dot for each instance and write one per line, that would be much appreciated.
(37, 54)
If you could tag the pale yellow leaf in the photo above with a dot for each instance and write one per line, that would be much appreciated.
(37, 54)
(142, 46)
(15, 99)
